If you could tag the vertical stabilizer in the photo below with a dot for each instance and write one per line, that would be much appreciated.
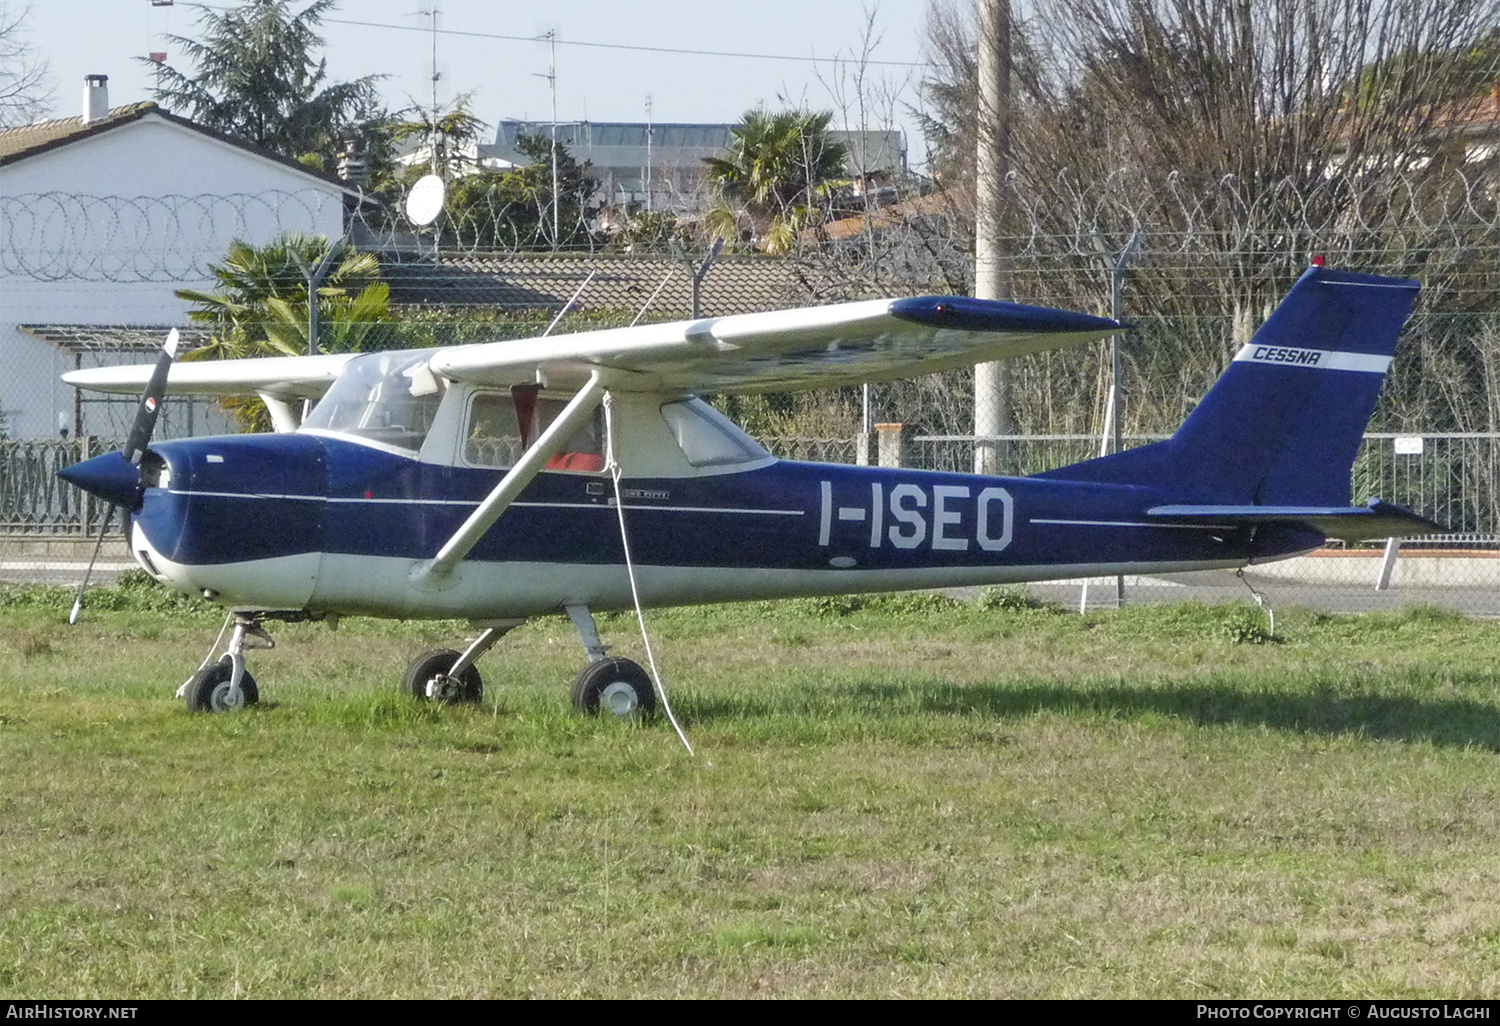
(1283, 423)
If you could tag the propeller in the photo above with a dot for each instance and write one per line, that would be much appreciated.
(116, 476)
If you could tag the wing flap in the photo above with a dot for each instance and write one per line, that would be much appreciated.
(1375, 519)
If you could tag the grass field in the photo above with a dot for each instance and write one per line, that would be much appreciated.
(897, 797)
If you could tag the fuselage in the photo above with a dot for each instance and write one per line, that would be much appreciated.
(321, 522)
(504, 480)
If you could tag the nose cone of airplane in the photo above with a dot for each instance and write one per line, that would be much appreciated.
(111, 477)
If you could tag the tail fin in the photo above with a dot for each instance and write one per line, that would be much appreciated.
(1282, 425)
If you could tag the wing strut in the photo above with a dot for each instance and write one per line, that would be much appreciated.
(573, 416)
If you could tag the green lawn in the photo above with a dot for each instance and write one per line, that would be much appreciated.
(895, 797)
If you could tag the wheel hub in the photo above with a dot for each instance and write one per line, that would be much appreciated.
(443, 688)
(619, 698)
(227, 697)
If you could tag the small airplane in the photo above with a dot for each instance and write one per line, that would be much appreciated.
(499, 481)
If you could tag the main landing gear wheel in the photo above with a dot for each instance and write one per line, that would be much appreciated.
(427, 677)
(616, 686)
(209, 690)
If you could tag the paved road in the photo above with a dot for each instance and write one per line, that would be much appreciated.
(58, 572)
(1223, 586)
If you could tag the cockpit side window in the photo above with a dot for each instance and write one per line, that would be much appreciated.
(390, 398)
(496, 434)
(706, 437)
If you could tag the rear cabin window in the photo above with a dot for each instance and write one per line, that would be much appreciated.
(495, 435)
(707, 437)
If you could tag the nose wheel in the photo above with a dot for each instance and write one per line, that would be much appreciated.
(226, 686)
(212, 689)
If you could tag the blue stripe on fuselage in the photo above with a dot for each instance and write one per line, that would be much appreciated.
(281, 495)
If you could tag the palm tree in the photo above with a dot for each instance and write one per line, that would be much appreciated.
(780, 169)
(257, 78)
(260, 307)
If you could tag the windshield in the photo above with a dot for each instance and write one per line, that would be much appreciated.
(389, 398)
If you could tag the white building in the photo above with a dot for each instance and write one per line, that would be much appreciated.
(102, 217)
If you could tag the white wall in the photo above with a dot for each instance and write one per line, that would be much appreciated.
(103, 230)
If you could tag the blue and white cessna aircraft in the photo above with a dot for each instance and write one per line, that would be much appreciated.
(506, 480)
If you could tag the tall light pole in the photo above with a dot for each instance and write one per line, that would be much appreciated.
(991, 268)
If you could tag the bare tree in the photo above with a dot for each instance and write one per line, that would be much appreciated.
(1293, 104)
(25, 92)
(1242, 137)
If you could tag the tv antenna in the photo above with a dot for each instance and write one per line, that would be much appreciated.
(431, 14)
(551, 76)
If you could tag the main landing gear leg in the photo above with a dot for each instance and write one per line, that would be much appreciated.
(608, 684)
(225, 686)
(449, 676)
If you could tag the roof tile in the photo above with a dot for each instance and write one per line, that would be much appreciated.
(625, 283)
(15, 141)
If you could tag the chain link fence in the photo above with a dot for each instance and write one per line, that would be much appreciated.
(1209, 257)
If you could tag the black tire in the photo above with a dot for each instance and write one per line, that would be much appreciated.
(209, 689)
(467, 690)
(614, 685)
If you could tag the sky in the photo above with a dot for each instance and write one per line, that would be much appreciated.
(507, 77)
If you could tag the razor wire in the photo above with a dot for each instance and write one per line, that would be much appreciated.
(1216, 226)
(56, 236)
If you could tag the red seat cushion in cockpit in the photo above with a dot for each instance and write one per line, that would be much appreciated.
(576, 461)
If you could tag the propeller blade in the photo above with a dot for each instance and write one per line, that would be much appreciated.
(84, 586)
(150, 408)
(116, 476)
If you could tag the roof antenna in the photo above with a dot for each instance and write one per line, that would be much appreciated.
(432, 12)
(652, 299)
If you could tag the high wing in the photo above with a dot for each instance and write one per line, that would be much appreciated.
(813, 347)
(280, 377)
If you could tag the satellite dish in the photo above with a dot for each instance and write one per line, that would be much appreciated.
(425, 201)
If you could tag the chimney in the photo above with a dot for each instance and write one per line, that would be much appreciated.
(351, 166)
(95, 98)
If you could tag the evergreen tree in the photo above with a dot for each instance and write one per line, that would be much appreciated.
(257, 76)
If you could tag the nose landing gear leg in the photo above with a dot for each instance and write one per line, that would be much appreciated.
(226, 686)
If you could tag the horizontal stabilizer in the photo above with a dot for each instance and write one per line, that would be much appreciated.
(1375, 519)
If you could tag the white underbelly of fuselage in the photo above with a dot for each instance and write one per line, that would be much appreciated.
(387, 586)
